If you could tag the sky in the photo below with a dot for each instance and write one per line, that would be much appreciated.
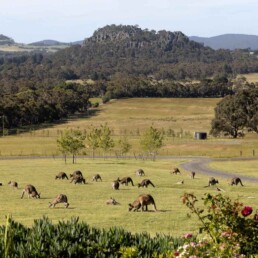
(28, 21)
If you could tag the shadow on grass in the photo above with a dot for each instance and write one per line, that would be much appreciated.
(46, 125)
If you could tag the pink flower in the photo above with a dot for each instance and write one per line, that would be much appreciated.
(247, 211)
(188, 235)
(255, 216)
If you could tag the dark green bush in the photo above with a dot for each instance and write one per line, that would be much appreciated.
(77, 239)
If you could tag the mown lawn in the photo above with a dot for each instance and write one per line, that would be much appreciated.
(88, 201)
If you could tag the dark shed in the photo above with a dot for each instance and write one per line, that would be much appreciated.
(200, 135)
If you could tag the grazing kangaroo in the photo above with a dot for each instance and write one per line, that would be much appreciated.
(96, 178)
(112, 201)
(236, 181)
(125, 180)
(142, 201)
(76, 173)
(31, 191)
(192, 174)
(78, 180)
(77, 177)
(140, 172)
(61, 175)
(145, 183)
(212, 181)
(61, 198)
(13, 184)
(175, 171)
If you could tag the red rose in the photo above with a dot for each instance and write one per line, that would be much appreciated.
(247, 211)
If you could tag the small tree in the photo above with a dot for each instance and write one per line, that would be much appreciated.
(105, 141)
(151, 141)
(92, 139)
(72, 141)
(124, 145)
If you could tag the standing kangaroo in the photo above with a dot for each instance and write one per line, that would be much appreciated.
(61, 198)
(145, 183)
(236, 181)
(61, 175)
(193, 174)
(13, 184)
(31, 191)
(96, 178)
(140, 172)
(115, 185)
(125, 180)
(212, 181)
(142, 201)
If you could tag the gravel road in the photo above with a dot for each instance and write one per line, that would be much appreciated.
(201, 165)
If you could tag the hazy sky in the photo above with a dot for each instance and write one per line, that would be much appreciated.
(28, 21)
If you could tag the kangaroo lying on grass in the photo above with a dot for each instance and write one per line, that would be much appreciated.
(96, 178)
(125, 180)
(112, 201)
(31, 191)
(236, 181)
(61, 175)
(142, 201)
(13, 184)
(145, 183)
(61, 198)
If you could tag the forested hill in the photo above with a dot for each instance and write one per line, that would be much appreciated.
(124, 51)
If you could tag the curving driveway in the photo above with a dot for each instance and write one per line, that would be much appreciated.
(201, 165)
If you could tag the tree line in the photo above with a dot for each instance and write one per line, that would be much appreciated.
(30, 107)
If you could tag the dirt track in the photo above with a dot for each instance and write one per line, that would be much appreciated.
(201, 165)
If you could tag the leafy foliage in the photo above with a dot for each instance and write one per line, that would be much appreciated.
(77, 239)
(234, 113)
(72, 141)
(226, 228)
(152, 140)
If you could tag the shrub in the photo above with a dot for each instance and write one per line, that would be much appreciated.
(227, 229)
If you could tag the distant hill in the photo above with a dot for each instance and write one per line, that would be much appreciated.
(48, 42)
(125, 51)
(229, 41)
(4, 40)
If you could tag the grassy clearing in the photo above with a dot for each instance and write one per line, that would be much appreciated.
(131, 117)
(251, 77)
(238, 168)
(88, 201)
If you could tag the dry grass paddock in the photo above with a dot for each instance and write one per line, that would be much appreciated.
(131, 117)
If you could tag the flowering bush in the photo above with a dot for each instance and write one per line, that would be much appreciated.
(226, 226)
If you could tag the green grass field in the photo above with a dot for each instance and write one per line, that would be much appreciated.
(88, 201)
(131, 117)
